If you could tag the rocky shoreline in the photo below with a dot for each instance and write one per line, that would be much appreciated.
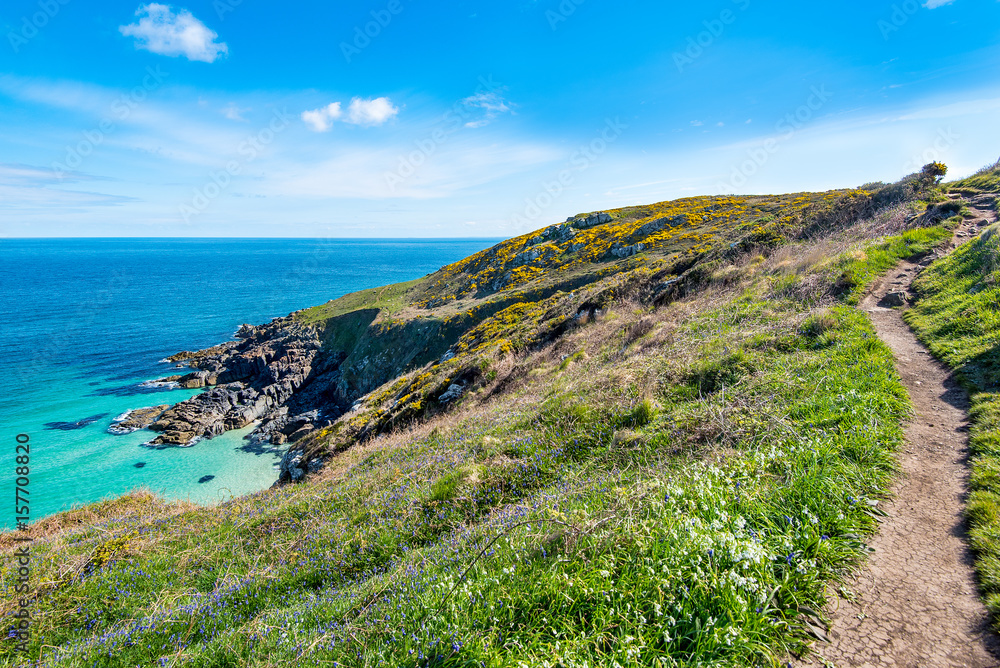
(252, 379)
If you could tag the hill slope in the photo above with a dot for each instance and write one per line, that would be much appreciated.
(542, 455)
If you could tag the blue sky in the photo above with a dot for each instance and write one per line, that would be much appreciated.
(406, 118)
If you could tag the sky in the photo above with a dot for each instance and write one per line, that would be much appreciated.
(460, 118)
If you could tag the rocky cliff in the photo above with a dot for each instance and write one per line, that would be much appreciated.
(252, 379)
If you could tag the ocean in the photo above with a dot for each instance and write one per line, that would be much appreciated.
(85, 322)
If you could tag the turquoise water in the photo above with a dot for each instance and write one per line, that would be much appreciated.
(85, 322)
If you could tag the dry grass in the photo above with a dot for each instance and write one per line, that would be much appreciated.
(139, 504)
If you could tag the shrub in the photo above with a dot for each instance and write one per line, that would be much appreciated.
(639, 329)
(934, 170)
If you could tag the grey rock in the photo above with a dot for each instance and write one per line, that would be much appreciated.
(894, 299)
(294, 466)
(556, 233)
(618, 250)
(453, 392)
(526, 257)
(291, 466)
(503, 281)
(256, 376)
(592, 220)
(136, 419)
(658, 225)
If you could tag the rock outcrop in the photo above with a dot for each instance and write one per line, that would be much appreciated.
(659, 224)
(295, 465)
(555, 233)
(134, 420)
(618, 250)
(251, 379)
(592, 220)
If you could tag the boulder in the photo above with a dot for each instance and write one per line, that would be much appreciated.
(294, 466)
(453, 392)
(592, 220)
(618, 250)
(894, 299)
(291, 467)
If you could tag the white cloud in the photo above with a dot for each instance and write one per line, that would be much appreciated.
(492, 104)
(934, 4)
(234, 112)
(370, 112)
(360, 112)
(321, 120)
(162, 31)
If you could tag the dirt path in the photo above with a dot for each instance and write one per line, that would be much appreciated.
(915, 603)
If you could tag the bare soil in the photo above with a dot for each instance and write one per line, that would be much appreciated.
(916, 602)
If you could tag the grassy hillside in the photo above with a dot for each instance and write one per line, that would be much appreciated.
(986, 180)
(666, 458)
(531, 289)
(958, 317)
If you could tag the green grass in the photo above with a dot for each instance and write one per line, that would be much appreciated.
(986, 180)
(958, 317)
(390, 299)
